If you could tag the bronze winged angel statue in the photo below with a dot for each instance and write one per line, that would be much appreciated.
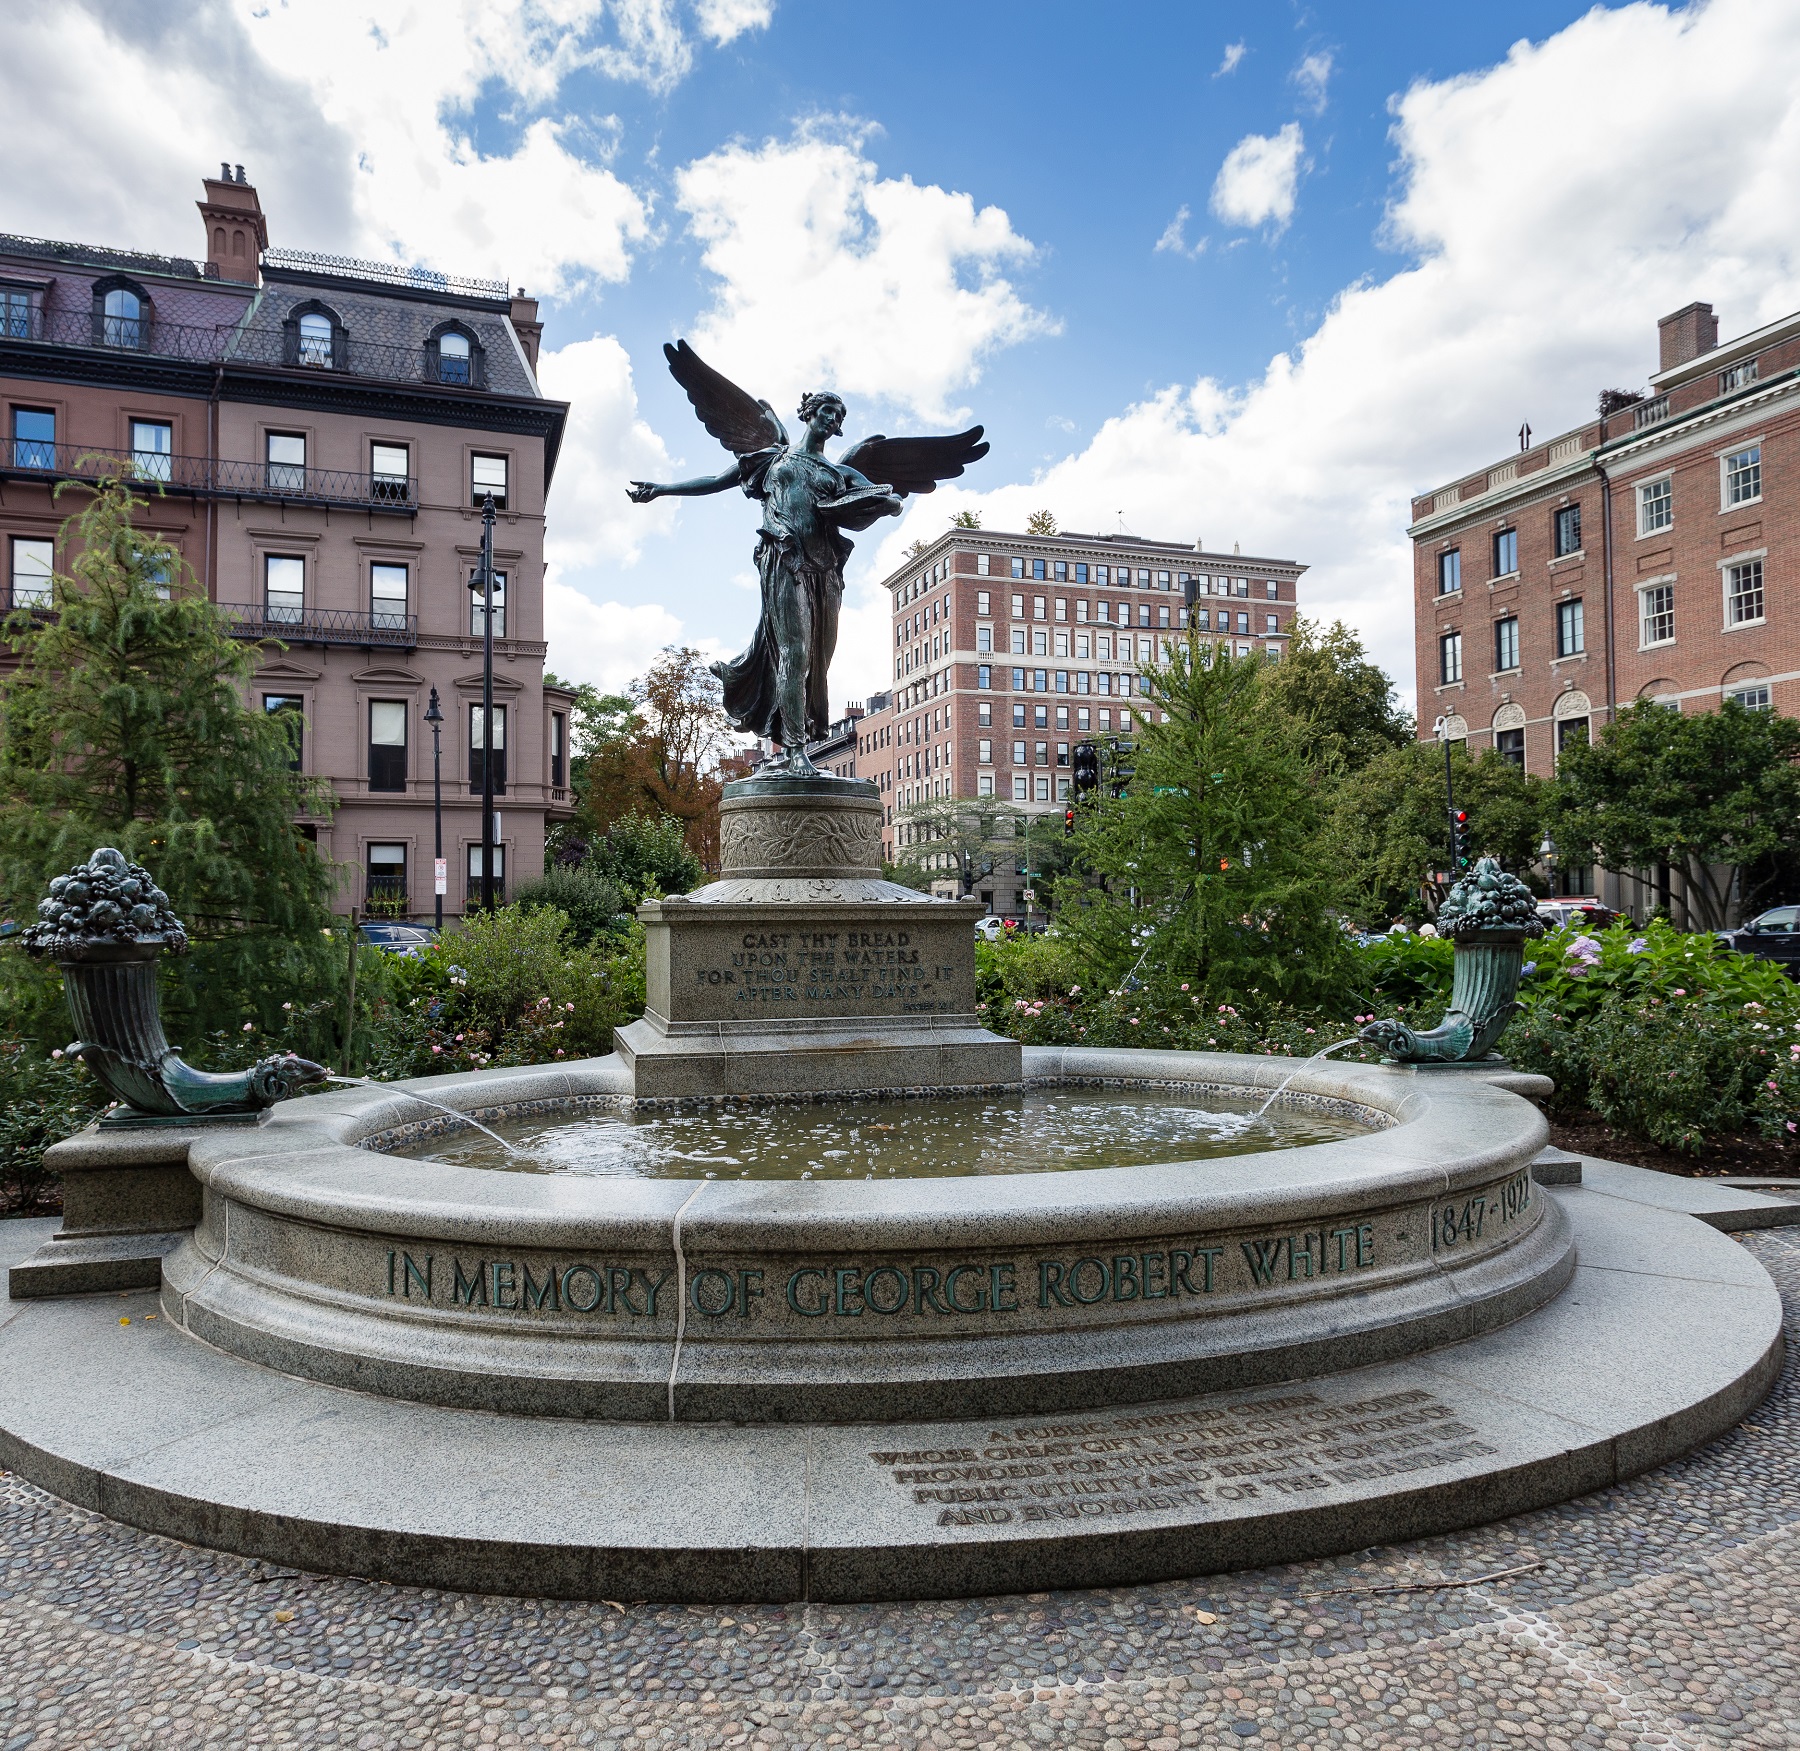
(777, 688)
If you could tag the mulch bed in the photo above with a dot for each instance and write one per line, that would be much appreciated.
(1588, 1134)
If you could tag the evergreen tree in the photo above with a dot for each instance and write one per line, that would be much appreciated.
(125, 724)
(1208, 870)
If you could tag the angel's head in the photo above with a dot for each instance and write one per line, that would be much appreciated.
(823, 412)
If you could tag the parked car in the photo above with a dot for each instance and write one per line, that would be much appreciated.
(1588, 913)
(1773, 935)
(407, 940)
(990, 929)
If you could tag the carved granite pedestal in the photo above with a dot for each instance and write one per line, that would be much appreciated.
(800, 971)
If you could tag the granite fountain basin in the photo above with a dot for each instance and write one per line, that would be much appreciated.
(322, 1255)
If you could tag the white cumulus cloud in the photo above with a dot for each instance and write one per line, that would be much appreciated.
(1312, 76)
(1257, 182)
(829, 272)
(1234, 52)
(723, 20)
(1545, 234)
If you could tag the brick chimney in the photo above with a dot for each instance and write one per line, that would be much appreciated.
(526, 325)
(236, 235)
(1687, 334)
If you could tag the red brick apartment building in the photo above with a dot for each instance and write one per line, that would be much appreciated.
(1010, 649)
(1645, 555)
(322, 432)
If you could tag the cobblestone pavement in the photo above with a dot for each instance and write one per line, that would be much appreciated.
(1663, 1613)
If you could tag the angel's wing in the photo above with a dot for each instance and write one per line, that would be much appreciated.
(739, 421)
(915, 464)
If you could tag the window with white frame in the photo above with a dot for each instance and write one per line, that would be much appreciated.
(1744, 592)
(983, 564)
(285, 461)
(475, 608)
(1018, 753)
(1743, 476)
(1450, 658)
(151, 444)
(984, 752)
(387, 595)
(390, 470)
(1751, 695)
(1571, 628)
(984, 784)
(1656, 614)
(33, 560)
(487, 475)
(284, 587)
(1656, 506)
(984, 602)
(1021, 788)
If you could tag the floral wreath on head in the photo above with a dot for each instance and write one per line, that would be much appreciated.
(814, 399)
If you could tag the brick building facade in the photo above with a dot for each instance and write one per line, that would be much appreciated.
(1009, 649)
(316, 437)
(1641, 556)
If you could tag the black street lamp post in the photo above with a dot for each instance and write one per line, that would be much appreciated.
(434, 715)
(484, 582)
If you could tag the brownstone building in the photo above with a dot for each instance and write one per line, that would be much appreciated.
(1010, 649)
(316, 436)
(1643, 555)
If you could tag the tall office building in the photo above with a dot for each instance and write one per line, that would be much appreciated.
(1009, 649)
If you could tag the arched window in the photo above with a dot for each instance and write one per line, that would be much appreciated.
(315, 339)
(122, 319)
(453, 357)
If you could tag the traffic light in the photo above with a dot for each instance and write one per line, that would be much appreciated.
(1069, 820)
(1086, 767)
(1459, 840)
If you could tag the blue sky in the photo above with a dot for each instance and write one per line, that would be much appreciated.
(1251, 274)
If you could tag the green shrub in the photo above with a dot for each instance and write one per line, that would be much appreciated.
(44, 1097)
(645, 856)
(514, 988)
(597, 908)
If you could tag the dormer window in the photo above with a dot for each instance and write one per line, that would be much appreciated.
(121, 314)
(454, 355)
(313, 337)
(453, 358)
(315, 340)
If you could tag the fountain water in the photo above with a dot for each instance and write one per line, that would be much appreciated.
(426, 1100)
(1323, 1052)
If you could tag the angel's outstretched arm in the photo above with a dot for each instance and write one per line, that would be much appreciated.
(641, 492)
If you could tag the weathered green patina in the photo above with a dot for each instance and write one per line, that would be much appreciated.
(1488, 916)
(106, 924)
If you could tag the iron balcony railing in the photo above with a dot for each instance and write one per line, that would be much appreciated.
(228, 343)
(210, 477)
(322, 626)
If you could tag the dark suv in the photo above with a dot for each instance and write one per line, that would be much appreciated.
(1773, 936)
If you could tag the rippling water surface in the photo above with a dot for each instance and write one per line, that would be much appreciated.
(1041, 1131)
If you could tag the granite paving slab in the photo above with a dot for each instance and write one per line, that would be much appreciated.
(1731, 1208)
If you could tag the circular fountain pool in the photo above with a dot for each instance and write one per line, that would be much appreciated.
(1042, 1130)
(658, 1294)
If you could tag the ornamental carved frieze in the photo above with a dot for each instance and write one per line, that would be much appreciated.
(799, 839)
